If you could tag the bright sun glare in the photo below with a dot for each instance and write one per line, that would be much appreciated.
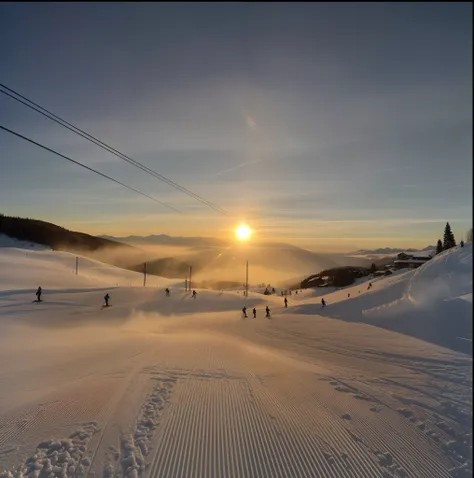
(243, 232)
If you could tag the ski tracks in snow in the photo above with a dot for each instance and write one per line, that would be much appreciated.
(217, 407)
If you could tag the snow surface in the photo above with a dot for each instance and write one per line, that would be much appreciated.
(7, 241)
(180, 387)
(432, 302)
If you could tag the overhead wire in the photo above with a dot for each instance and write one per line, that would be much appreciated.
(88, 168)
(57, 119)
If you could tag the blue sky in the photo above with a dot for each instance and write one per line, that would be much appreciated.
(331, 126)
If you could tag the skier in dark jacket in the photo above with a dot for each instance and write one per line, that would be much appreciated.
(267, 310)
(167, 292)
(38, 294)
(323, 303)
(194, 294)
(286, 302)
(244, 312)
(254, 313)
(106, 298)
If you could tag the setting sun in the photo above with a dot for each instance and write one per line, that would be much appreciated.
(243, 232)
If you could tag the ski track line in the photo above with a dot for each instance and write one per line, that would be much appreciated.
(358, 405)
(306, 447)
(403, 433)
(191, 466)
(176, 462)
(443, 463)
(295, 424)
(303, 458)
(164, 454)
(412, 438)
(414, 369)
(276, 455)
(225, 418)
(252, 446)
(235, 464)
(271, 438)
(72, 407)
(117, 398)
(333, 427)
(300, 357)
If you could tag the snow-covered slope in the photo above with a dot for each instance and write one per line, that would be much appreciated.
(28, 268)
(432, 302)
(158, 386)
(7, 241)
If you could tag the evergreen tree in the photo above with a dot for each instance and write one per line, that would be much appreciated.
(448, 238)
(439, 247)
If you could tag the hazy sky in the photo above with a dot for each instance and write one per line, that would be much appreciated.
(331, 126)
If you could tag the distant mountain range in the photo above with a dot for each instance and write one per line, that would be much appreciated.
(388, 251)
(212, 259)
(165, 240)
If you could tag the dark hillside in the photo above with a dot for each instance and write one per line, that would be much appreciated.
(56, 237)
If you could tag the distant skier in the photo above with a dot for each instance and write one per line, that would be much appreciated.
(167, 291)
(38, 294)
(194, 294)
(286, 302)
(267, 310)
(244, 312)
(348, 296)
(323, 303)
(254, 313)
(106, 298)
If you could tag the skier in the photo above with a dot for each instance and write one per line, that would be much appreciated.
(106, 298)
(323, 303)
(167, 292)
(286, 302)
(254, 313)
(244, 312)
(267, 310)
(38, 294)
(194, 294)
(348, 296)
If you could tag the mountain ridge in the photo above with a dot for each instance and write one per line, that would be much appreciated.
(390, 250)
